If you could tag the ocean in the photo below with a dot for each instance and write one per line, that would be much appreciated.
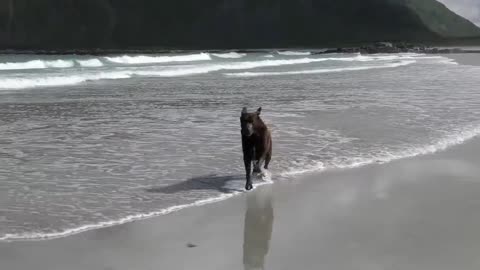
(94, 141)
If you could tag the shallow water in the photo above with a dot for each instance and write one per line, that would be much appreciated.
(95, 141)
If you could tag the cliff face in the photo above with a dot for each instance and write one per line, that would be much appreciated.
(57, 24)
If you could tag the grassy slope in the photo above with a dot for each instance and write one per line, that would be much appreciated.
(441, 20)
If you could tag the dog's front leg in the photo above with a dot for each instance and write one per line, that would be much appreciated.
(247, 159)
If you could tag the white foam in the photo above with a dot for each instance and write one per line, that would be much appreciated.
(319, 167)
(449, 61)
(440, 145)
(174, 71)
(142, 59)
(30, 82)
(318, 71)
(90, 63)
(269, 63)
(36, 64)
(229, 55)
(59, 64)
(389, 57)
(293, 53)
(202, 69)
(44, 236)
(20, 82)
(36, 236)
(386, 157)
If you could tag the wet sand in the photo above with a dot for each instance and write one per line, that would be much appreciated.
(419, 213)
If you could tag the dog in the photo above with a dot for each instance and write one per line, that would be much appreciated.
(256, 144)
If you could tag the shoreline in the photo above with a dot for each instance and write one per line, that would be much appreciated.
(439, 146)
(380, 214)
(37, 237)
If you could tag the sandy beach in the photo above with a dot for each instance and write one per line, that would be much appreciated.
(417, 213)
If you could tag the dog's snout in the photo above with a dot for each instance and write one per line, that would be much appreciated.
(247, 130)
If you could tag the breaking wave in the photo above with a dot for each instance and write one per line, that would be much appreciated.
(90, 63)
(142, 59)
(442, 144)
(293, 53)
(44, 80)
(36, 236)
(28, 82)
(21, 83)
(36, 64)
(230, 55)
(318, 71)
(202, 69)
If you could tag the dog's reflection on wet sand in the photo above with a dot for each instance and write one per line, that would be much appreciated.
(258, 228)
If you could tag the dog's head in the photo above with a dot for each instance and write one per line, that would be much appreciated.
(248, 121)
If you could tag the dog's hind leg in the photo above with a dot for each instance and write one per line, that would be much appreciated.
(257, 164)
(268, 157)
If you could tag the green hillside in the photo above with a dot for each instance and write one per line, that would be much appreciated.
(441, 20)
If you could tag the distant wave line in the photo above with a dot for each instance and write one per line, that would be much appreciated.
(231, 55)
(294, 53)
(45, 80)
(36, 64)
(319, 71)
(143, 59)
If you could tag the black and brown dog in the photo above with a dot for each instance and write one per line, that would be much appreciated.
(256, 143)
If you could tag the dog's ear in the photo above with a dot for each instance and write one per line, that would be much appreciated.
(244, 110)
(259, 110)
